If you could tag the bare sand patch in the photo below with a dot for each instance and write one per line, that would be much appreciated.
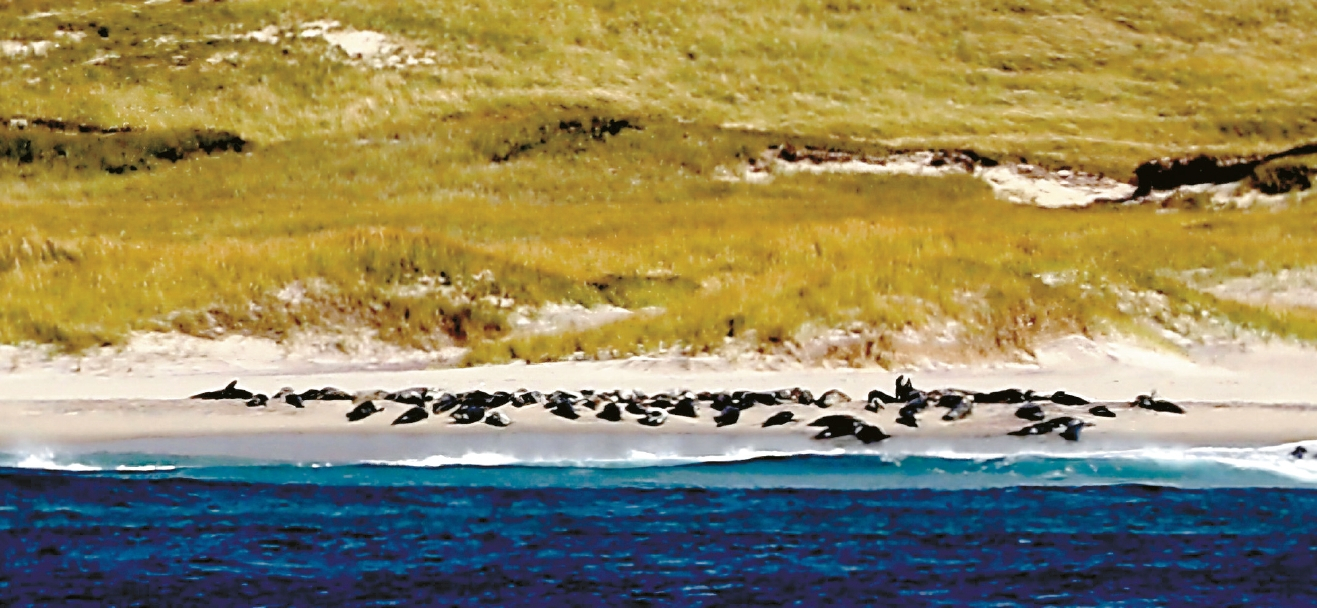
(1286, 288)
(1018, 183)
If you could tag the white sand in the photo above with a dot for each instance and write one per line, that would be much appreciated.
(1017, 183)
(1260, 395)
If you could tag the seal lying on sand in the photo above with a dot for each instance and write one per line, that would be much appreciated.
(413, 396)
(685, 408)
(831, 398)
(1101, 411)
(468, 414)
(779, 419)
(1030, 411)
(841, 425)
(1064, 398)
(565, 409)
(958, 407)
(498, 419)
(363, 411)
(412, 416)
(288, 396)
(1008, 396)
(610, 412)
(328, 393)
(729, 417)
(655, 417)
(1071, 425)
(1151, 402)
(229, 392)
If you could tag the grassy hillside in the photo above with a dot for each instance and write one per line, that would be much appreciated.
(570, 149)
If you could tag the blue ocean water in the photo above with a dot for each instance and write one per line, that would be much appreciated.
(1207, 527)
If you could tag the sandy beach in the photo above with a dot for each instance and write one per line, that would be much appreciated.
(1234, 396)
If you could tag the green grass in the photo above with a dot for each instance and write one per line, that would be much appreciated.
(510, 154)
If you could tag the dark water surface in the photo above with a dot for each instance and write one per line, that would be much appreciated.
(78, 538)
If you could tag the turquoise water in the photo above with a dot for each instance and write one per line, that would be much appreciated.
(1144, 527)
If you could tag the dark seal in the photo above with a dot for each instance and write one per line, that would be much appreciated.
(412, 416)
(779, 419)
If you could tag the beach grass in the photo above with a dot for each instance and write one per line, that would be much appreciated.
(570, 153)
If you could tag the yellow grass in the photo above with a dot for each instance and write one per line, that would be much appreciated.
(361, 182)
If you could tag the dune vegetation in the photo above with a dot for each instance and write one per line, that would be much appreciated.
(424, 170)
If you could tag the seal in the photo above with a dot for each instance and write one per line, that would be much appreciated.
(729, 417)
(498, 398)
(906, 415)
(1299, 452)
(831, 398)
(779, 419)
(328, 393)
(868, 433)
(288, 396)
(468, 414)
(610, 412)
(565, 410)
(363, 411)
(655, 417)
(1101, 411)
(413, 396)
(839, 425)
(1064, 398)
(411, 416)
(958, 407)
(1030, 411)
(525, 397)
(685, 407)
(636, 409)
(1071, 425)
(1008, 396)
(881, 397)
(1072, 429)
(445, 402)
(1151, 402)
(228, 392)
(498, 419)
(905, 389)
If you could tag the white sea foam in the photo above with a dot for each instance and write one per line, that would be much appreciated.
(471, 459)
(46, 462)
(1275, 460)
(150, 468)
(1271, 459)
(633, 459)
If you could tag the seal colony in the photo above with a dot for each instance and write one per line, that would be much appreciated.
(1059, 412)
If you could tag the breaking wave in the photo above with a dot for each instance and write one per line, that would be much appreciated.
(1271, 466)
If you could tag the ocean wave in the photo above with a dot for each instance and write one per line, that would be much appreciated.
(886, 466)
(48, 461)
(150, 468)
(1270, 459)
(634, 459)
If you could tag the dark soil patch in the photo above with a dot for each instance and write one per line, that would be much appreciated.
(55, 143)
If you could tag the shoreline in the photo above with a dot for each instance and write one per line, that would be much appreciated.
(322, 429)
(1235, 396)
